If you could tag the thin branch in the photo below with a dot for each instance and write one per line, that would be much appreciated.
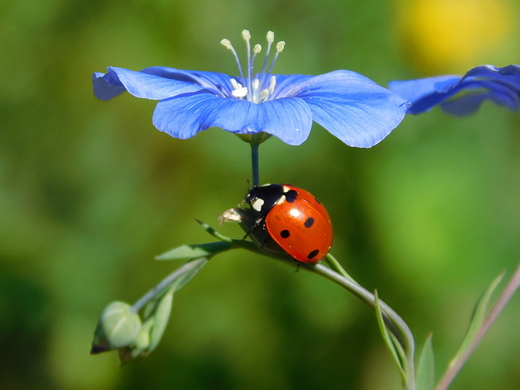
(456, 366)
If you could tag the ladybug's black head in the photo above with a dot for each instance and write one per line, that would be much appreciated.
(263, 198)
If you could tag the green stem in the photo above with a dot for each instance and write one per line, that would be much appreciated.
(395, 323)
(338, 275)
(254, 160)
(336, 266)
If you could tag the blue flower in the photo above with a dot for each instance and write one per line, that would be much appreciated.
(350, 106)
(463, 95)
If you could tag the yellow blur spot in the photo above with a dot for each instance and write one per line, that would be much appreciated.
(454, 35)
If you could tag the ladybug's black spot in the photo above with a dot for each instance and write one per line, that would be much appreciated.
(291, 196)
(313, 254)
(309, 222)
(285, 233)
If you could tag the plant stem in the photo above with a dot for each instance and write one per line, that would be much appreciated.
(395, 323)
(254, 160)
(456, 366)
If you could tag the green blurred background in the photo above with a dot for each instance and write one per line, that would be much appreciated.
(90, 192)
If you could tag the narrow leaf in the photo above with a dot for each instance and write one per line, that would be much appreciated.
(388, 339)
(426, 367)
(161, 318)
(478, 317)
(186, 277)
(195, 251)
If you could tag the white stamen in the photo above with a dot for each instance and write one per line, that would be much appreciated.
(239, 93)
(246, 34)
(279, 47)
(238, 89)
(247, 37)
(264, 95)
(270, 37)
(226, 43)
(262, 88)
(257, 49)
(267, 92)
(272, 84)
(235, 84)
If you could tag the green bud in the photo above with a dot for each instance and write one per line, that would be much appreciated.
(118, 327)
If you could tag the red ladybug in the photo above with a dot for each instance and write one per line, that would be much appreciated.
(293, 218)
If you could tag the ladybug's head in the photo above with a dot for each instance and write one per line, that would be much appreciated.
(263, 198)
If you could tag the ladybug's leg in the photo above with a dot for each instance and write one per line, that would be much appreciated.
(257, 223)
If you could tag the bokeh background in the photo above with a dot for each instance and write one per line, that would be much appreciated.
(90, 192)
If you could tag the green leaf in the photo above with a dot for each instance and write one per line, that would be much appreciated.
(188, 271)
(161, 318)
(426, 367)
(195, 251)
(181, 281)
(479, 315)
(391, 343)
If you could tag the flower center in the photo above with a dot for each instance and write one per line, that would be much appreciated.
(260, 88)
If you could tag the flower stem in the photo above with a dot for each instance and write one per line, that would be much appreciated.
(254, 161)
(456, 366)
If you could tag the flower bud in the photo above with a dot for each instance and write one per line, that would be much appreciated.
(118, 327)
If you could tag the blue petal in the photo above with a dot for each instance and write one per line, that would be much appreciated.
(217, 82)
(414, 90)
(508, 75)
(476, 91)
(184, 116)
(465, 105)
(286, 83)
(105, 86)
(145, 85)
(352, 107)
(487, 82)
(289, 119)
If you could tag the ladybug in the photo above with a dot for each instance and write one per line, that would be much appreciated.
(291, 217)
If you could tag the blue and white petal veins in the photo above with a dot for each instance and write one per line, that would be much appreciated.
(463, 95)
(350, 106)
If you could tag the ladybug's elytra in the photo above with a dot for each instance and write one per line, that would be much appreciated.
(293, 218)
